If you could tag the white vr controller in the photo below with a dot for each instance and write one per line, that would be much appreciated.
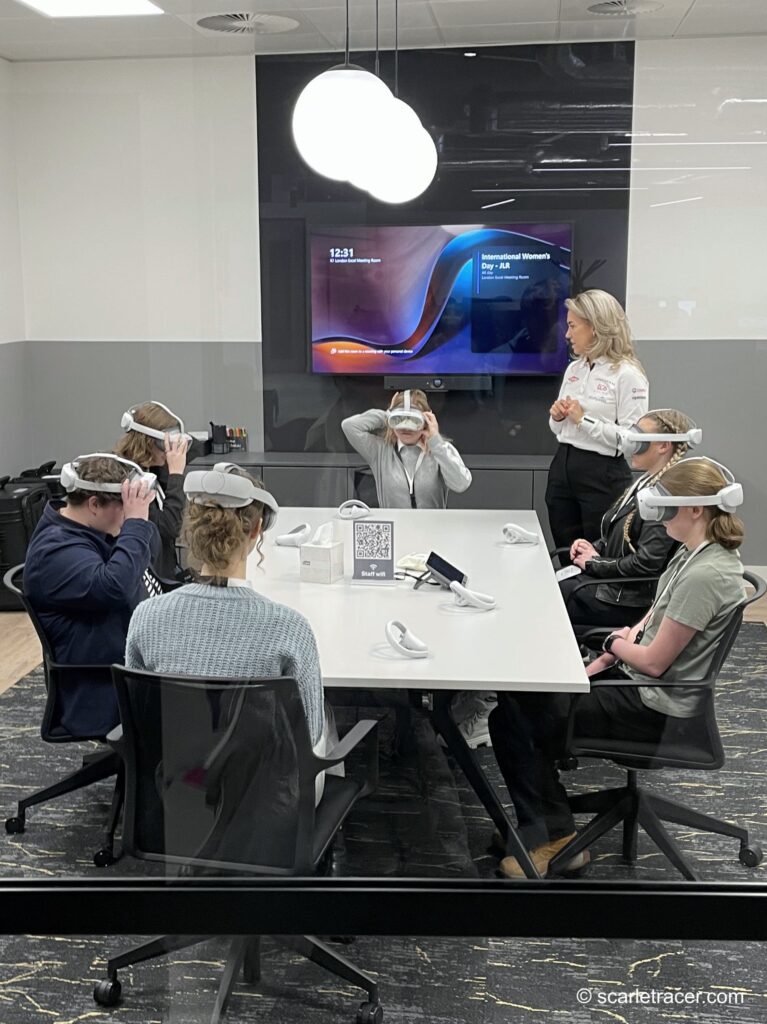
(296, 537)
(472, 598)
(514, 534)
(354, 509)
(405, 642)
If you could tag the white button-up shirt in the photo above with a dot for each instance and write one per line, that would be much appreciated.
(610, 395)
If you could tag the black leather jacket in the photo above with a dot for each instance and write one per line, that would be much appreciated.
(653, 550)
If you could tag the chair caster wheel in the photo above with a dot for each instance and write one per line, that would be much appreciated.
(103, 858)
(370, 1013)
(750, 856)
(568, 764)
(107, 993)
(15, 826)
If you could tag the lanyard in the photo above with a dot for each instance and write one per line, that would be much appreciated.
(676, 574)
(411, 479)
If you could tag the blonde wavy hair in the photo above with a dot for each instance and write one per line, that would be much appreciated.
(699, 478)
(607, 319)
(141, 448)
(667, 421)
(215, 536)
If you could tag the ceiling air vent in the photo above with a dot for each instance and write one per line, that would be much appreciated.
(625, 8)
(247, 24)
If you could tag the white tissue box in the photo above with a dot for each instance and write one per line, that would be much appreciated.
(322, 563)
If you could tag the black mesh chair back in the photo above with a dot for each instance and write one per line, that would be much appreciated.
(220, 775)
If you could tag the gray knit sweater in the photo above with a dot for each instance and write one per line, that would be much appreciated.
(201, 630)
(441, 471)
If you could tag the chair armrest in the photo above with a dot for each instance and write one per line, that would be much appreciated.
(344, 747)
(59, 667)
(556, 552)
(698, 683)
(597, 581)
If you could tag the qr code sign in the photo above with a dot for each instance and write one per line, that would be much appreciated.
(373, 540)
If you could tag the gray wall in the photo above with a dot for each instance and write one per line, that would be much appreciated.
(721, 384)
(69, 396)
(59, 399)
(15, 415)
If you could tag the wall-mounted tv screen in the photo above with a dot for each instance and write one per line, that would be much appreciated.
(449, 299)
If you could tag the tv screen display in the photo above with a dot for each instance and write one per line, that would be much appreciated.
(455, 299)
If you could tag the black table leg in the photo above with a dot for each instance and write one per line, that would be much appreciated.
(443, 723)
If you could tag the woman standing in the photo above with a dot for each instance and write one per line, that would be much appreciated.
(603, 388)
(413, 465)
(156, 441)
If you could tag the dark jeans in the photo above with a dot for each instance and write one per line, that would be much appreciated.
(585, 608)
(528, 731)
(581, 487)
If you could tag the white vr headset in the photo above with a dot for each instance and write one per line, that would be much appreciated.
(129, 423)
(636, 441)
(227, 489)
(71, 480)
(405, 417)
(656, 505)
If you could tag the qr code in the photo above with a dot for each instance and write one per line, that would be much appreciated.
(373, 540)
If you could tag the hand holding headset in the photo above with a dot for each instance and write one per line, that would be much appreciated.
(405, 417)
(224, 486)
(405, 642)
(71, 480)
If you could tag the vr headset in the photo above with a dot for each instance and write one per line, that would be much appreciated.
(71, 480)
(227, 489)
(128, 423)
(656, 505)
(405, 417)
(636, 441)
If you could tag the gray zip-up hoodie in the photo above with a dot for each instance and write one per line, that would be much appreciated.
(441, 470)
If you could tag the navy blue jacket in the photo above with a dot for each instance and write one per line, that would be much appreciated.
(83, 586)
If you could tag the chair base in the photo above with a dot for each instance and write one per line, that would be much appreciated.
(101, 764)
(244, 955)
(634, 807)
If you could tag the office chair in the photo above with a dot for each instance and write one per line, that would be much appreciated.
(220, 779)
(597, 581)
(100, 764)
(698, 748)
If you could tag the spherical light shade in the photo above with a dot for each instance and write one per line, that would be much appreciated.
(333, 114)
(406, 170)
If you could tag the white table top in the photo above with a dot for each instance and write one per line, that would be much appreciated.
(525, 643)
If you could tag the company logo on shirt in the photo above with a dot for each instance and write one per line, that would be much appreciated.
(601, 386)
(641, 392)
(573, 380)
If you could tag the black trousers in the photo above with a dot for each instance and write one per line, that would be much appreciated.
(581, 487)
(528, 731)
(587, 611)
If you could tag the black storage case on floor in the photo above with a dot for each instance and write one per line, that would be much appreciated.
(22, 500)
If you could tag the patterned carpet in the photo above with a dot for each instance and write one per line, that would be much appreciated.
(423, 821)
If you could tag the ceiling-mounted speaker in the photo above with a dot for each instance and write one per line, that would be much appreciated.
(625, 8)
(247, 24)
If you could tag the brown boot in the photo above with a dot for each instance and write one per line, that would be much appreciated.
(542, 855)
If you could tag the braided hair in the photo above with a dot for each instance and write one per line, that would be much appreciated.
(668, 421)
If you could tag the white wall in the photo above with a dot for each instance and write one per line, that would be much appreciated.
(696, 269)
(11, 292)
(138, 199)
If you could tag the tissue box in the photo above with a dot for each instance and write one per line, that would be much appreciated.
(322, 563)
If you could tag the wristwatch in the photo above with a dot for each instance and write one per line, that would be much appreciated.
(607, 646)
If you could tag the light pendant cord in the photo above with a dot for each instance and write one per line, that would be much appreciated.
(396, 48)
(378, 58)
(347, 32)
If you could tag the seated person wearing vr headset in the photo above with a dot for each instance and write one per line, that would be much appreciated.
(84, 574)
(675, 640)
(629, 545)
(221, 626)
(413, 465)
(155, 439)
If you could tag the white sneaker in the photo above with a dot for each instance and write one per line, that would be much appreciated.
(475, 730)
